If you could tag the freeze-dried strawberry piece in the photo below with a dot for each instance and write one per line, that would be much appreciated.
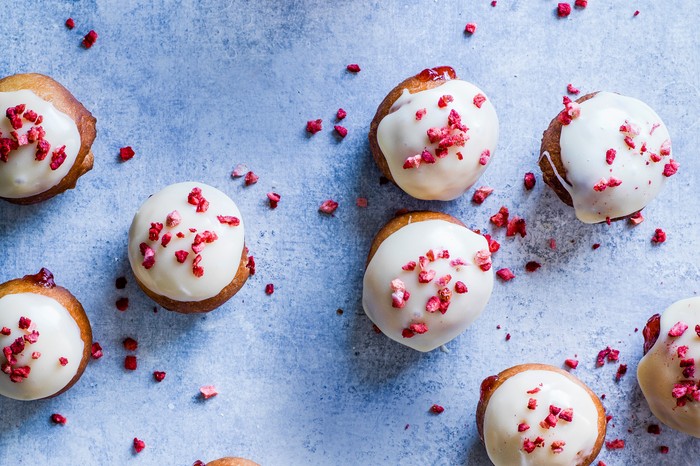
(436, 409)
(59, 156)
(149, 256)
(571, 89)
(251, 178)
(130, 363)
(444, 100)
(314, 126)
(558, 446)
(470, 29)
(139, 445)
(240, 170)
(654, 429)
(126, 153)
(493, 244)
(159, 376)
(353, 68)
(274, 199)
(197, 270)
(5, 331)
(63, 361)
(621, 371)
(610, 156)
(516, 225)
(340, 114)
(58, 419)
(166, 239)
(181, 256)
(529, 180)
(505, 274)
(208, 391)
(484, 157)
(678, 329)
(671, 168)
(419, 328)
(531, 403)
(251, 265)
(659, 236)
(24, 323)
(96, 351)
(522, 427)
(361, 202)
(501, 218)
(567, 414)
(616, 444)
(532, 266)
(420, 113)
(89, 39)
(483, 259)
(229, 220)
(154, 231)
(426, 276)
(481, 194)
(70, 23)
(460, 287)
(130, 344)
(328, 207)
(122, 304)
(269, 288)
(341, 130)
(563, 10)
(581, 3)
(572, 363)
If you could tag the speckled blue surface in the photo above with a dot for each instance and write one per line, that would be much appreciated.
(197, 87)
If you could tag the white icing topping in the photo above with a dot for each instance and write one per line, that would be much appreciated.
(659, 370)
(508, 407)
(22, 175)
(587, 139)
(59, 337)
(219, 259)
(401, 136)
(408, 244)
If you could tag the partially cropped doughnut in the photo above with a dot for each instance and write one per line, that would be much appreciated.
(428, 277)
(187, 248)
(539, 415)
(45, 337)
(607, 156)
(231, 461)
(667, 372)
(45, 139)
(433, 135)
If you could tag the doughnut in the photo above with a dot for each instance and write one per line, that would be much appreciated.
(427, 278)
(433, 135)
(45, 139)
(666, 372)
(45, 337)
(231, 461)
(536, 414)
(607, 156)
(187, 248)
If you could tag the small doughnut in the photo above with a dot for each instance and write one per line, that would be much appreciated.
(231, 461)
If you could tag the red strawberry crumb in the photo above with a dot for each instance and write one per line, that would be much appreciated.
(130, 363)
(532, 266)
(159, 376)
(63, 361)
(70, 23)
(444, 100)
(697, 329)
(663, 449)
(120, 283)
(470, 28)
(436, 409)
(617, 444)
(122, 304)
(227, 220)
(621, 371)
(353, 68)
(24, 323)
(636, 219)
(505, 274)
(522, 427)
(251, 265)
(484, 157)
(58, 419)
(659, 236)
(595, 246)
(460, 288)
(314, 126)
(529, 180)
(419, 328)
(671, 168)
(501, 218)
(493, 244)
(126, 153)
(420, 114)
(571, 89)
(481, 194)
(483, 260)
(581, 3)
(89, 39)
(59, 156)
(610, 156)
(328, 207)
(269, 288)
(563, 10)
(532, 403)
(636, 13)
(208, 391)
(516, 225)
(5, 331)
(274, 199)
(361, 202)
(341, 130)
(340, 114)
(251, 178)
(96, 351)
(601, 463)
(239, 171)
(130, 344)
(678, 329)
(411, 265)
(558, 446)
(181, 256)
(139, 445)
(572, 363)
(654, 429)
(552, 244)
(507, 336)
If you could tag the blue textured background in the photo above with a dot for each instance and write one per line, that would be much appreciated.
(197, 87)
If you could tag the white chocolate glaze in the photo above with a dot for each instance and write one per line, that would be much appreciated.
(59, 336)
(22, 175)
(508, 407)
(659, 370)
(401, 136)
(408, 244)
(584, 145)
(220, 259)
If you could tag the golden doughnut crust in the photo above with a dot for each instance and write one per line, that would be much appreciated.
(231, 461)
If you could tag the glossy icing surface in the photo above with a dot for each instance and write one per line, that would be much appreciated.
(22, 175)
(402, 135)
(508, 409)
(666, 371)
(407, 245)
(59, 337)
(220, 258)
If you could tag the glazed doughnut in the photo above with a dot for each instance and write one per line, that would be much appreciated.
(230, 461)
(607, 156)
(667, 373)
(187, 248)
(45, 139)
(45, 336)
(427, 278)
(536, 414)
(433, 135)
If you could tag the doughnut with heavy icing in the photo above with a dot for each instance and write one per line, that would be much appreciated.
(433, 135)
(45, 139)
(428, 277)
(606, 155)
(187, 248)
